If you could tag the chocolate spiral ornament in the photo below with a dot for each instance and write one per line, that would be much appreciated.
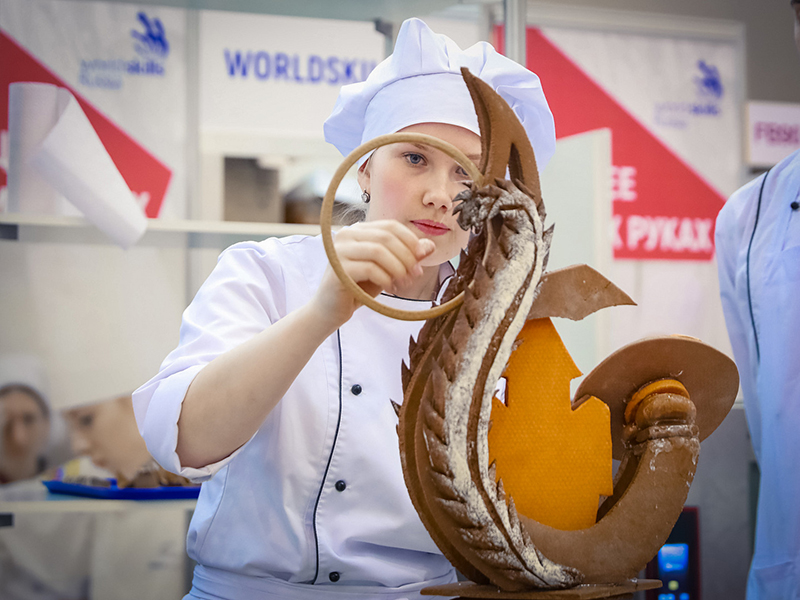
(463, 350)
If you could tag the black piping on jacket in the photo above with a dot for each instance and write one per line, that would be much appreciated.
(327, 466)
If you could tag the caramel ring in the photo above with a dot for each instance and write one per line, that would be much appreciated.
(326, 214)
(660, 386)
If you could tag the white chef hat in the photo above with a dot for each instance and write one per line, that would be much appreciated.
(421, 82)
(25, 370)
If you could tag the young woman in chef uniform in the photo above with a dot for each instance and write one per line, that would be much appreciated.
(278, 395)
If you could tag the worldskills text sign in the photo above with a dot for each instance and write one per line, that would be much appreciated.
(280, 76)
(675, 145)
(311, 69)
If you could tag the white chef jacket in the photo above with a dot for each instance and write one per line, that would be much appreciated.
(316, 496)
(766, 346)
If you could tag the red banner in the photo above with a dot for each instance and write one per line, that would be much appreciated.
(663, 208)
(146, 176)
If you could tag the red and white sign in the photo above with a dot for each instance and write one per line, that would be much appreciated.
(773, 132)
(145, 175)
(674, 130)
(126, 67)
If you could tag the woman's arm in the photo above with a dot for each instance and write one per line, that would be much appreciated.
(232, 395)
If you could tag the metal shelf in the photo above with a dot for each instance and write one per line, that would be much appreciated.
(168, 225)
(354, 10)
(55, 503)
(62, 229)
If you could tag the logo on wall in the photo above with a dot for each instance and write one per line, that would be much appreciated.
(708, 93)
(152, 42)
(709, 83)
(151, 48)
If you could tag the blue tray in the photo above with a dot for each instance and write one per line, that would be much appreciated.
(115, 493)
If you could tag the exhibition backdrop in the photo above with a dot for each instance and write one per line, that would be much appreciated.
(676, 125)
(101, 318)
(672, 103)
(674, 107)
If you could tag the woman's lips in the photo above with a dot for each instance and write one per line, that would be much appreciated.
(431, 227)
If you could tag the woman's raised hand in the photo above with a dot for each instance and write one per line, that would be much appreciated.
(379, 256)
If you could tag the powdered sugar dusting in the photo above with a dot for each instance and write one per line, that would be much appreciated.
(520, 274)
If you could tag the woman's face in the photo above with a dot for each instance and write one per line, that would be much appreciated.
(106, 432)
(416, 184)
(25, 429)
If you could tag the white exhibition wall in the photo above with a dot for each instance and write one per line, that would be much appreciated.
(103, 318)
(265, 84)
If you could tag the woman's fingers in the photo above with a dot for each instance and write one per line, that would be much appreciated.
(425, 247)
(397, 238)
(369, 272)
(382, 252)
(374, 252)
(378, 256)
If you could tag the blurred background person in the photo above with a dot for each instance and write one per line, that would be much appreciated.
(121, 554)
(31, 438)
(26, 427)
(106, 432)
(135, 554)
(758, 255)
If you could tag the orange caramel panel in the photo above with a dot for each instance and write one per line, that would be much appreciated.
(555, 462)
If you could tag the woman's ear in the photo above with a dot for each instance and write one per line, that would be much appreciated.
(363, 175)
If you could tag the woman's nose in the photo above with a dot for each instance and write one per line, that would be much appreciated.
(440, 193)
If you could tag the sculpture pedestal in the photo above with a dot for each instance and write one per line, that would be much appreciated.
(589, 591)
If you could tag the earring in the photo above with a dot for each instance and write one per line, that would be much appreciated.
(365, 196)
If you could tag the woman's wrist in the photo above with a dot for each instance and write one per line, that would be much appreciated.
(318, 318)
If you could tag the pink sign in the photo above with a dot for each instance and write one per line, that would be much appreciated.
(773, 132)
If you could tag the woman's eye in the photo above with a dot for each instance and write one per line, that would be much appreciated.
(86, 420)
(414, 158)
(463, 176)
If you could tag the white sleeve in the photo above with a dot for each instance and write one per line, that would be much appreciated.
(732, 237)
(244, 294)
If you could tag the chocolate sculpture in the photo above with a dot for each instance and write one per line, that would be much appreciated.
(664, 395)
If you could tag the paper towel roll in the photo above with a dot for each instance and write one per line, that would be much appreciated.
(32, 112)
(66, 153)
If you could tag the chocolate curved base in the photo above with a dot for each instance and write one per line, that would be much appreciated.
(593, 591)
(621, 543)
